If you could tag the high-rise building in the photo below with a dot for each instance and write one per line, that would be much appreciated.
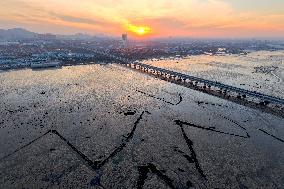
(124, 40)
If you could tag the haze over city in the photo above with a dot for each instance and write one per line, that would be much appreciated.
(148, 18)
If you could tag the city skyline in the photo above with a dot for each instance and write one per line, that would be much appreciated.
(180, 18)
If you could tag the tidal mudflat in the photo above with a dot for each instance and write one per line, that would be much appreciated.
(261, 71)
(105, 126)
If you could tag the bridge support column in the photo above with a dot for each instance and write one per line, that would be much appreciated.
(239, 96)
(264, 103)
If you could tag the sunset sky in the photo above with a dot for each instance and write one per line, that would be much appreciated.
(153, 18)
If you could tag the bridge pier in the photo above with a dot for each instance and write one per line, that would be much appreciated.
(194, 81)
(264, 103)
(239, 96)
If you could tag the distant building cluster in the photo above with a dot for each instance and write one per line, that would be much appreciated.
(33, 48)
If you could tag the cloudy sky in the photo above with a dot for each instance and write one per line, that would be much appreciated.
(161, 18)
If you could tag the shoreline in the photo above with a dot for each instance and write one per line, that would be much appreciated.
(277, 111)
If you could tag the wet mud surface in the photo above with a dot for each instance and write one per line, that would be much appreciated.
(260, 71)
(109, 127)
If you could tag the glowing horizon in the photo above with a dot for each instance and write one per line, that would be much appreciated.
(160, 18)
(138, 30)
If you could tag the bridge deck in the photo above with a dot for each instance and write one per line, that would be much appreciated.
(241, 91)
(215, 84)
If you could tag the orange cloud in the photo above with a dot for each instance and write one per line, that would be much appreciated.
(195, 18)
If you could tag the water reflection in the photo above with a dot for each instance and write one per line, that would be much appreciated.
(236, 70)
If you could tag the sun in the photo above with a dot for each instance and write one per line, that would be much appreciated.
(140, 30)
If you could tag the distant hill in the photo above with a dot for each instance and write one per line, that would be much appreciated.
(19, 33)
(16, 33)
(82, 36)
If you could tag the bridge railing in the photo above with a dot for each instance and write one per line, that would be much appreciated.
(217, 84)
(200, 80)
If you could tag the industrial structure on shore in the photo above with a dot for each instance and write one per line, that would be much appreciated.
(40, 65)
